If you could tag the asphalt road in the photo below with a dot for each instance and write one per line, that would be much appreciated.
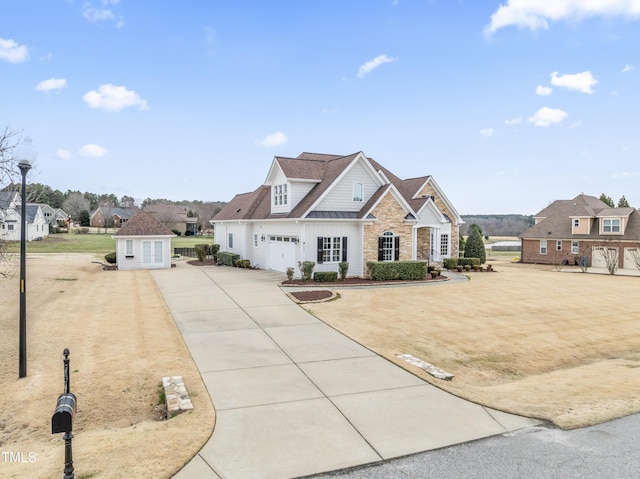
(605, 451)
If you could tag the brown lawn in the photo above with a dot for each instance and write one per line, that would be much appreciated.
(122, 341)
(560, 346)
(528, 340)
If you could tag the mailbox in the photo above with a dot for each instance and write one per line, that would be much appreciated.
(62, 419)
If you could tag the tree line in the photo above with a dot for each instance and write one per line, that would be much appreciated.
(497, 225)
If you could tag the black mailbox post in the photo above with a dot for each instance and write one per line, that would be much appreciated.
(62, 419)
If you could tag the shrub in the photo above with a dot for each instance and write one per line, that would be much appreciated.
(202, 251)
(228, 258)
(290, 271)
(405, 270)
(468, 261)
(111, 257)
(325, 276)
(176, 232)
(450, 263)
(475, 246)
(214, 251)
(306, 268)
(343, 267)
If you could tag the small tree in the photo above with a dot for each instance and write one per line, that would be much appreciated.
(475, 246)
(623, 203)
(606, 200)
(610, 258)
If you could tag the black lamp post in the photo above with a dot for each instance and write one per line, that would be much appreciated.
(25, 153)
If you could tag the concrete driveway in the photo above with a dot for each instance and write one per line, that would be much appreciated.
(293, 396)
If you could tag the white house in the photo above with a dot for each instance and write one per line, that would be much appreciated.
(11, 219)
(143, 243)
(333, 208)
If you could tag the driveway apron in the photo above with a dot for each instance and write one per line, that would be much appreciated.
(293, 396)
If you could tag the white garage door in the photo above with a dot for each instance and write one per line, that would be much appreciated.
(598, 258)
(631, 256)
(282, 253)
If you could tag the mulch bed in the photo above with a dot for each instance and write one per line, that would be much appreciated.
(354, 282)
(315, 295)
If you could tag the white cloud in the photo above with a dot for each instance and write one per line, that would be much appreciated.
(11, 52)
(114, 98)
(92, 151)
(513, 121)
(546, 116)
(63, 154)
(628, 68)
(543, 90)
(373, 64)
(275, 139)
(102, 13)
(487, 132)
(51, 84)
(536, 14)
(580, 81)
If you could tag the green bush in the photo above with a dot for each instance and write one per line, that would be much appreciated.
(176, 232)
(450, 263)
(111, 257)
(343, 267)
(228, 258)
(325, 276)
(306, 268)
(468, 261)
(214, 251)
(405, 270)
(475, 246)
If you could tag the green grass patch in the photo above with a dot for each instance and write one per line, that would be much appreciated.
(98, 243)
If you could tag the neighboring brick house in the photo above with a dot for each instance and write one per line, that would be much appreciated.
(111, 217)
(567, 230)
(332, 208)
(143, 243)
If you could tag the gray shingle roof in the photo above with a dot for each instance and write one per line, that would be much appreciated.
(143, 224)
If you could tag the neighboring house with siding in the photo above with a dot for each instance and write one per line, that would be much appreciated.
(11, 218)
(143, 243)
(333, 208)
(174, 217)
(567, 230)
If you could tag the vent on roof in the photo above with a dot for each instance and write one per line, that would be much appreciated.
(238, 210)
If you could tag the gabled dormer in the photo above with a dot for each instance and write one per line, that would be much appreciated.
(614, 221)
(581, 225)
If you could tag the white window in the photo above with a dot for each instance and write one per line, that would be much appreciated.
(128, 247)
(255, 241)
(558, 245)
(444, 244)
(358, 191)
(146, 251)
(230, 243)
(9, 227)
(543, 246)
(611, 226)
(280, 196)
(388, 246)
(576, 223)
(158, 251)
(331, 249)
(575, 247)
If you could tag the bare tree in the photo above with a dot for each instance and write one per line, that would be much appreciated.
(74, 204)
(634, 254)
(8, 175)
(609, 255)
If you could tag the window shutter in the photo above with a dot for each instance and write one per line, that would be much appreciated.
(344, 248)
(380, 248)
(396, 248)
(320, 246)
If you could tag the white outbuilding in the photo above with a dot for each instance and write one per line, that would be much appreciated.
(143, 243)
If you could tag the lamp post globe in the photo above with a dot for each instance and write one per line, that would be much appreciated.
(25, 153)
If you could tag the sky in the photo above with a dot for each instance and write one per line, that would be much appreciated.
(508, 104)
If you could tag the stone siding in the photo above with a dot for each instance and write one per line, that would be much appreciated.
(390, 217)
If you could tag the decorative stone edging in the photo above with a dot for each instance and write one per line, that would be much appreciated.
(176, 396)
(429, 368)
